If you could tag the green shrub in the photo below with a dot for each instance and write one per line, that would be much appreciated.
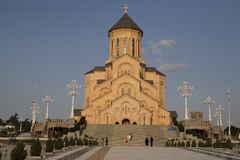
(66, 141)
(36, 148)
(58, 144)
(194, 144)
(80, 142)
(167, 144)
(90, 142)
(183, 144)
(18, 152)
(72, 142)
(217, 144)
(201, 144)
(229, 144)
(188, 143)
(85, 141)
(95, 142)
(208, 143)
(49, 145)
(179, 144)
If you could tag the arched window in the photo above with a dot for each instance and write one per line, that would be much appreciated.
(112, 47)
(133, 47)
(125, 45)
(122, 91)
(129, 91)
(138, 47)
(107, 119)
(117, 47)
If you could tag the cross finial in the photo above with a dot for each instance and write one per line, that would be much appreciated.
(125, 8)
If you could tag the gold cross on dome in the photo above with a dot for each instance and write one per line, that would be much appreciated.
(125, 8)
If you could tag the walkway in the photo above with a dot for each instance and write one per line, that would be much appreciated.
(142, 153)
(154, 153)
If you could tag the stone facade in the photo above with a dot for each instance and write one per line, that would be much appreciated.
(125, 90)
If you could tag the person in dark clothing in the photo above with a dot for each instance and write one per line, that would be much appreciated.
(106, 141)
(151, 141)
(146, 141)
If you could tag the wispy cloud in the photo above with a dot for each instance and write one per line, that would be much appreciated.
(173, 67)
(167, 43)
(156, 47)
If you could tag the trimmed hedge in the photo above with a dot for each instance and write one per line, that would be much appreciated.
(58, 144)
(66, 141)
(36, 148)
(194, 144)
(49, 145)
(18, 152)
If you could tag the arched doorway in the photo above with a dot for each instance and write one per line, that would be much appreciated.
(125, 122)
(117, 123)
(134, 123)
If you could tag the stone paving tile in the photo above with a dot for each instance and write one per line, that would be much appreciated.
(100, 154)
(88, 154)
(154, 153)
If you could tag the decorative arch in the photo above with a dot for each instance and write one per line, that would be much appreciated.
(144, 119)
(147, 91)
(104, 90)
(108, 103)
(125, 68)
(125, 107)
(126, 121)
(126, 88)
(107, 118)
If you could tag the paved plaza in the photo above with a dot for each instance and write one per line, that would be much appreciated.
(154, 153)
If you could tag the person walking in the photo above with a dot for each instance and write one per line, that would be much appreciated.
(106, 140)
(146, 141)
(128, 139)
(151, 141)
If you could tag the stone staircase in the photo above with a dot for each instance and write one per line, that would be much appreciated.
(117, 134)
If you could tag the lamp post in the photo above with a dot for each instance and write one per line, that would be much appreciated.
(218, 114)
(73, 86)
(229, 118)
(209, 101)
(20, 119)
(35, 110)
(47, 100)
(185, 91)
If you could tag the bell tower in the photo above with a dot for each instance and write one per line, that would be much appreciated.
(125, 37)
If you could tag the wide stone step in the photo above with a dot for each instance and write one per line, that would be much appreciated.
(117, 134)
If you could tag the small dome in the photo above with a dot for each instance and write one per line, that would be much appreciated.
(125, 22)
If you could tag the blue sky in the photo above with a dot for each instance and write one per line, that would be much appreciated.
(45, 44)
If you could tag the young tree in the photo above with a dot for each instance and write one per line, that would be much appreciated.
(80, 141)
(217, 144)
(188, 143)
(72, 142)
(36, 148)
(85, 141)
(66, 141)
(194, 144)
(201, 144)
(18, 152)
(182, 144)
(208, 142)
(58, 144)
(49, 145)
(229, 144)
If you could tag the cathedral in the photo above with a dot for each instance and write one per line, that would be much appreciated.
(124, 90)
